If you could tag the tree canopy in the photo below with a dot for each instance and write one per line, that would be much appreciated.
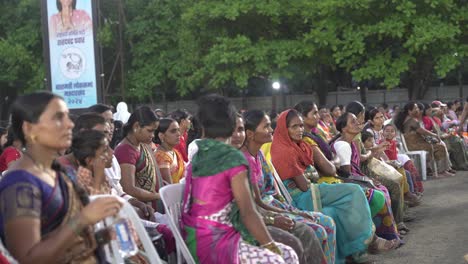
(21, 60)
(180, 47)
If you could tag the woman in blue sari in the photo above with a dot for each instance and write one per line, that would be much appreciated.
(44, 216)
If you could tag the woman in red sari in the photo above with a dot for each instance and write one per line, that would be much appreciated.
(140, 175)
(11, 152)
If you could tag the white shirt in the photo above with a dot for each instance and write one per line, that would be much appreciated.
(114, 175)
(192, 149)
(344, 152)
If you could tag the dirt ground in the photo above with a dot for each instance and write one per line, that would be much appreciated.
(440, 232)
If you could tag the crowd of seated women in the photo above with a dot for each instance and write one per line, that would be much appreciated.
(324, 186)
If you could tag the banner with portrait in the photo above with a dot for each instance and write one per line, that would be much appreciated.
(71, 51)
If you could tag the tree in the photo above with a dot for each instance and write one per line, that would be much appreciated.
(21, 61)
(402, 42)
(152, 33)
(178, 48)
(225, 42)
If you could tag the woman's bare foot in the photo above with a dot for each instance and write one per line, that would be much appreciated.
(445, 174)
(380, 245)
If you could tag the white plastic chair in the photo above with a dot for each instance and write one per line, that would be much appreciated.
(128, 212)
(172, 196)
(422, 154)
(280, 183)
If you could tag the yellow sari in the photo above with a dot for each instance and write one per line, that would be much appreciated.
(174, 163)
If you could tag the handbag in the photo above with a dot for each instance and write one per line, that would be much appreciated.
(384, 170)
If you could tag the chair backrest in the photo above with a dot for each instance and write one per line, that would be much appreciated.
(400, 138)
(112, 249)
(172, 196)
(421, 163)
(278, 180)
(280, 183)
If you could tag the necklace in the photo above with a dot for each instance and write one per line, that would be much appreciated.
(172, 152)
(131, 143)
(248, 150)
(38, 165)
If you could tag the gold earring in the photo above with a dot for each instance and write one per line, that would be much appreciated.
(33, 138)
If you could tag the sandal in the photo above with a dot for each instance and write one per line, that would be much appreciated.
(402, 227)
(380, 245)
(412, 200)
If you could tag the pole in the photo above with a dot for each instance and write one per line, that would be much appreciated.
(101, 59)
(122, 55)
(460, 83)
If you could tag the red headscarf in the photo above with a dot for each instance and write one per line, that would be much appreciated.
(289, 158)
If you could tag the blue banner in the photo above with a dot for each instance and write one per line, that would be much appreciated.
(71, 51)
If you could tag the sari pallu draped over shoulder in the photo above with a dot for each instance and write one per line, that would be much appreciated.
(163, 158)
(147, 174)
(345, 203)
(290, 159)
(59, 204)
(84, 249)
(211, 240)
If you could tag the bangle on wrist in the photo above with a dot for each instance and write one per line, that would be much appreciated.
(267, 244)
(272, 247)
(269, 220)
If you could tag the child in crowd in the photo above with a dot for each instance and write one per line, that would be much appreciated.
(369, 143)
(390, 156)
(389, 133)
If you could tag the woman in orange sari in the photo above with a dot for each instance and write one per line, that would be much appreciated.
(170, 161)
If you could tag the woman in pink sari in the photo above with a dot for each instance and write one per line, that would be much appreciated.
(219, 219)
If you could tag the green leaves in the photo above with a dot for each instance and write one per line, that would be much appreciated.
(21, 60)
(214, 44)
(176, 46)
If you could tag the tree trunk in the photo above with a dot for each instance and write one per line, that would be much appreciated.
(322, 93)
(363, 94)
(325, 79)
(7, 96)
(419, 79)
(164, 101)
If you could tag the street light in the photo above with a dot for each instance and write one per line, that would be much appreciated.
(276, 85)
